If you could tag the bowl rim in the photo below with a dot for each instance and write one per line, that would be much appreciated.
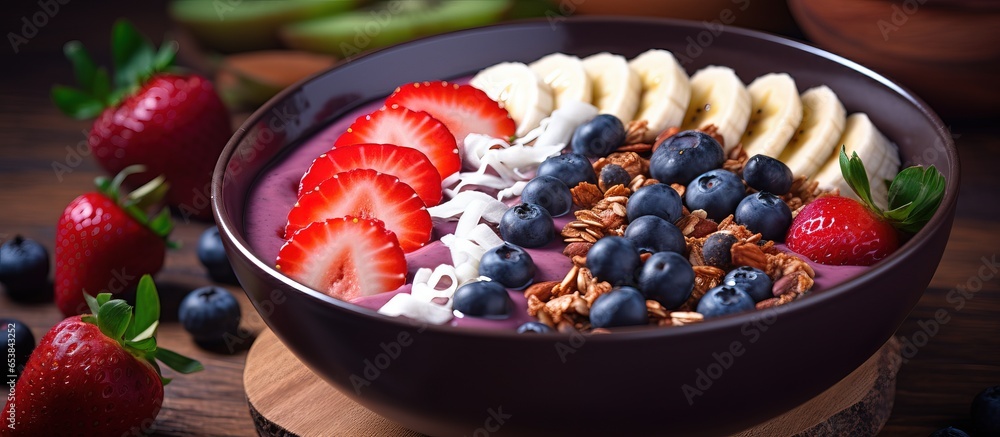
(941, 217)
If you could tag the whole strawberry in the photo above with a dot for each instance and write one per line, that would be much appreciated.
(96, 374)
(838, 230)
(173, 124)
(105, 241)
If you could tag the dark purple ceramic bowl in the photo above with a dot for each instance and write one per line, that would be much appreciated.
(452, 381)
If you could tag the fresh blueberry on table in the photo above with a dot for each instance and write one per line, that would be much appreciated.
(213, 256)
(485, 299)
(986, 412)
(599, 136)
(24, 270)
(764, 173)
(667, 277)
(717, 192)
(614, 174)
(22, 346)
(766, 214)
(623, 306)
(652, 234)
(724, 300)
(685, 155)
(571, 168)
(614, 259)
(208, 314)
(508, 265)
(527, 225)
(717, 249)
(950, 431)
(534, 328)
(751, 280)
(660, 200)
(549, 193)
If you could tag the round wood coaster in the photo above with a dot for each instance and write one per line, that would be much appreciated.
(296, 402)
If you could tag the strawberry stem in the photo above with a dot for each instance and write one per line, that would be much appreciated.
(137, 202)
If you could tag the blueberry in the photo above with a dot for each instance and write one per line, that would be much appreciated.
(623, 306)
(509, 265)
(717, 250)
(213, 256)
(753, 281)
(717, 192)
(534, 328)
(23, 343)
(724, 300)
(613, 174)
(986, 411)
(667, 278)
(950, 431)
(527, 225)
(571, 168)
(24, 270)
(652, 234)
(549, 193)
(658, 199)
(764, 173)
(766, 214)
(485, 299)
(614, 259)
(599, 136)
(685, 155)
(209, 314)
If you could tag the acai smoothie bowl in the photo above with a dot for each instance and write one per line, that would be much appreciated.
(573, 221)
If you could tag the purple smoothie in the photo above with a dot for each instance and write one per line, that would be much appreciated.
(275, 191)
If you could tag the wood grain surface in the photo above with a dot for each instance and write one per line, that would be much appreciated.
(955, 359)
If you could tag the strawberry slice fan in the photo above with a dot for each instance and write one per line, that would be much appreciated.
(151, 114)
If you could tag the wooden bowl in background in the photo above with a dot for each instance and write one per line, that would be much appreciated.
(946, 51)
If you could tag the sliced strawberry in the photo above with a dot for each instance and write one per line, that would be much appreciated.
(367, 194)
(403, 127)
(463, 108)
(345, 257)
(409, 165)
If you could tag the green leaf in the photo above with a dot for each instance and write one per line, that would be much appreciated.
(91, 303)
(161, 224)
(914, 196)
(76, 103)
(854, 173)
(147, 344)
(89, 77)
(102, 298)
(147, 305)
(178, 362)
(148, 194)
(113, 318)
(165, 55)
(132, 54)
(146, 334)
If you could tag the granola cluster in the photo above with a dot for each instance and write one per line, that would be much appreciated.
(565, 305)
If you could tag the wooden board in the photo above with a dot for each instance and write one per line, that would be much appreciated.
(296, 402)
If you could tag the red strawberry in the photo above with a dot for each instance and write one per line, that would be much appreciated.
(367, 194)
(95, 375)
(409, 165)
(463, 108)
(841, 231)
(105, 243)
(344, 257)
(402, 127)
(174, 125)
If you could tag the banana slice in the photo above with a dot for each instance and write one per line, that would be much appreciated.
(566, 76)
(666, 91)
(879, 155)
(775, 115)
(616, 88)
(718, 97)
(823, 120)
(519, 90)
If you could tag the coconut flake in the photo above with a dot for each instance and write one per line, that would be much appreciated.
(410, 306)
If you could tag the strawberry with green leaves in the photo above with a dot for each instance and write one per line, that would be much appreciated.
(172, 123)
(96, 374)
(105, 240)
(837, 230)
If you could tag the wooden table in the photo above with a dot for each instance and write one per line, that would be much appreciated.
(934, 389)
